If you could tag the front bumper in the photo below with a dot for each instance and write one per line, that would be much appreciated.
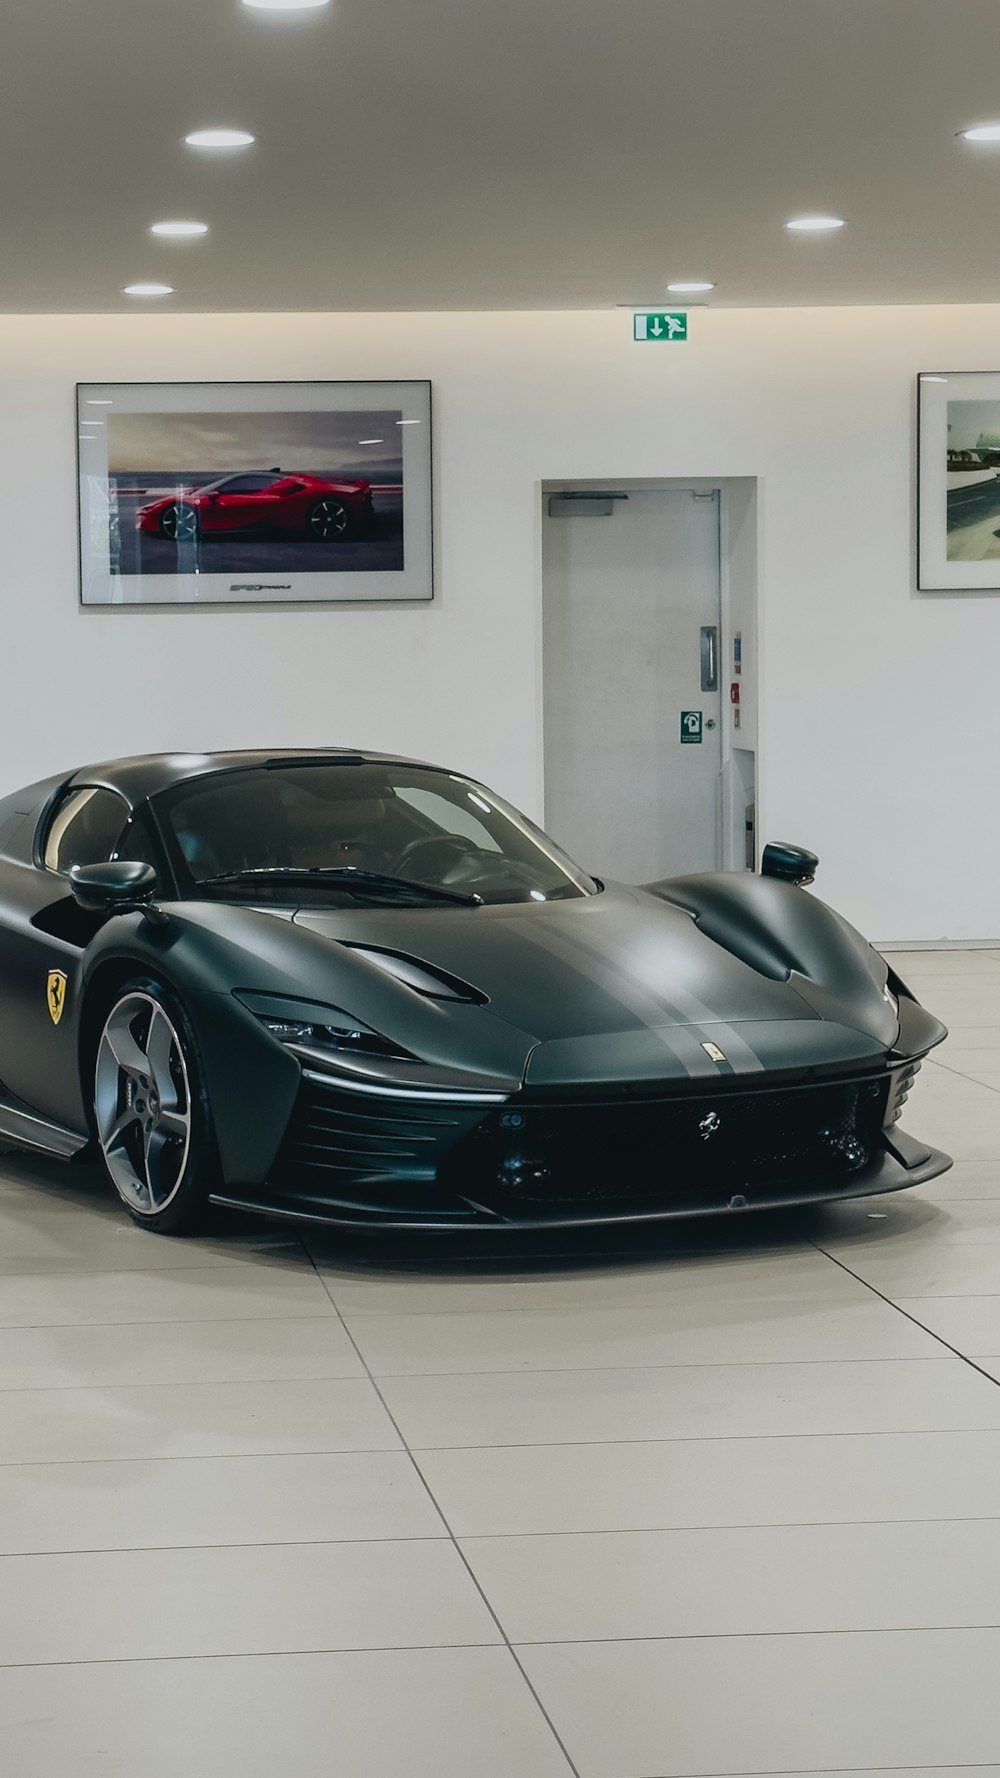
(619, 1154)
(887, 1173)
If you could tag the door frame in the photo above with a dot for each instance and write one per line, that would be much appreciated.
(741, 778)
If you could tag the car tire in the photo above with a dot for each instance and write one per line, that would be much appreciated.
(152, 1118)
(330, 519)
(179, 522)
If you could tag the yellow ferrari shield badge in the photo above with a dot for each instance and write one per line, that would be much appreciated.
(55, 994)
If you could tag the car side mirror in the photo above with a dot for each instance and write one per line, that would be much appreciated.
(792, 864)
(121, 886)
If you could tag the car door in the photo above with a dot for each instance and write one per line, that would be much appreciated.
(45, 934)
(242, 502)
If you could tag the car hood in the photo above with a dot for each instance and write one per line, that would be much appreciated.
(623, 985)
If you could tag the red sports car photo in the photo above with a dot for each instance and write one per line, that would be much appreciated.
(269, 500)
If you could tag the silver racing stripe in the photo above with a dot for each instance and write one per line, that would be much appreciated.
(682, 1040)
(698, 1019)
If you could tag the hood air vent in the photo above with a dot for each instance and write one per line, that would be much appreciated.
(433, 984)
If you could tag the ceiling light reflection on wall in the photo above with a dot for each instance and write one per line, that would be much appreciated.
(371, 441)
(148, 290)
(982, 132)
(219, 138)
(690, 287)
(179, 229)
(927, 378)
(814, 225)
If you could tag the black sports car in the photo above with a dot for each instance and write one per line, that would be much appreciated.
(351, 988)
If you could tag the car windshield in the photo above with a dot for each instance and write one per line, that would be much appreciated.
(344, 831)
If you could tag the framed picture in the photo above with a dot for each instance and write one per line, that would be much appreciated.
(254, 493)
(958, 481)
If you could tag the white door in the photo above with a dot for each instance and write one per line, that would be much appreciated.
(631, 677)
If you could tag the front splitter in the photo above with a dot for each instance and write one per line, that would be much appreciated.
(886, 1174)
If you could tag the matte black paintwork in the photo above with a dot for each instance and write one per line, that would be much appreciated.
(626, 986)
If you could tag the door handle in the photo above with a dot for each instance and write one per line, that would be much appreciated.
(709, 635)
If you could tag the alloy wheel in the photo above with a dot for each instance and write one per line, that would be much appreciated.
(180, 524)
(329, 518)
(142, 1103)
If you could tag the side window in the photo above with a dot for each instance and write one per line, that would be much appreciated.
(137, 844)
(247, 484)
(85, 828)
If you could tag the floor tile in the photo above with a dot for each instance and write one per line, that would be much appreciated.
(970, 1037)
(175, 1352)
(966, 1179)
(969, 1323)
(797, 1274)
(235, 1292)
(416, 1713)
(687, 1331)
(716, 1481)
(765, 1581)
(135, 1605)
(925, 1267)
(898, 1700)
(704, 1401)
(213, 1500)
(976, 1068)
(191, 1420)
(905, 1221)
(40, 1233)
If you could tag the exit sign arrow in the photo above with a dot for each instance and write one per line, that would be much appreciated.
(660, 324)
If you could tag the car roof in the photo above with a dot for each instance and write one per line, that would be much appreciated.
(149, 774)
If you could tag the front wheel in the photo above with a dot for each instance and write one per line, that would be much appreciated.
(179, 522)
(151, 1112)
(329, 519)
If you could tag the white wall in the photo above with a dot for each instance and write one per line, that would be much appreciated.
(880, 718)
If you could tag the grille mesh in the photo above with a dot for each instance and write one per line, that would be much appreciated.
(691, 1149)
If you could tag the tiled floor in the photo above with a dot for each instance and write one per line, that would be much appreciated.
(722, 1502)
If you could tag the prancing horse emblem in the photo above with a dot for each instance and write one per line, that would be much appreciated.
(709, 1125)
(55, 994)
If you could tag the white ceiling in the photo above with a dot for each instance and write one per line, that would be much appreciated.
(494, 154)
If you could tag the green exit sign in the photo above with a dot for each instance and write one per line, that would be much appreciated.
(660, 324)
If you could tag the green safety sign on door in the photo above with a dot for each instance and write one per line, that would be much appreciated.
(669, 324)
(690, 728)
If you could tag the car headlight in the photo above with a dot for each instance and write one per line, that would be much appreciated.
(338, 1051)
(347, 1039)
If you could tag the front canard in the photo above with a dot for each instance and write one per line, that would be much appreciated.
(56, 994)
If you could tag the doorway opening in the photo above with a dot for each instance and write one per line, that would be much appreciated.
(649, 675)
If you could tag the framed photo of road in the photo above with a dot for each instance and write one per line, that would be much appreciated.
(958, 481)
(254, 493)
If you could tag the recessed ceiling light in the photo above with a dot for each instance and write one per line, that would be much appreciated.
(179, 228)
(219, 139)
(148, 290)
(99, 401)
(371, 441)
(691, 287)
(285, 5)
(982, 132)
(814, 225)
